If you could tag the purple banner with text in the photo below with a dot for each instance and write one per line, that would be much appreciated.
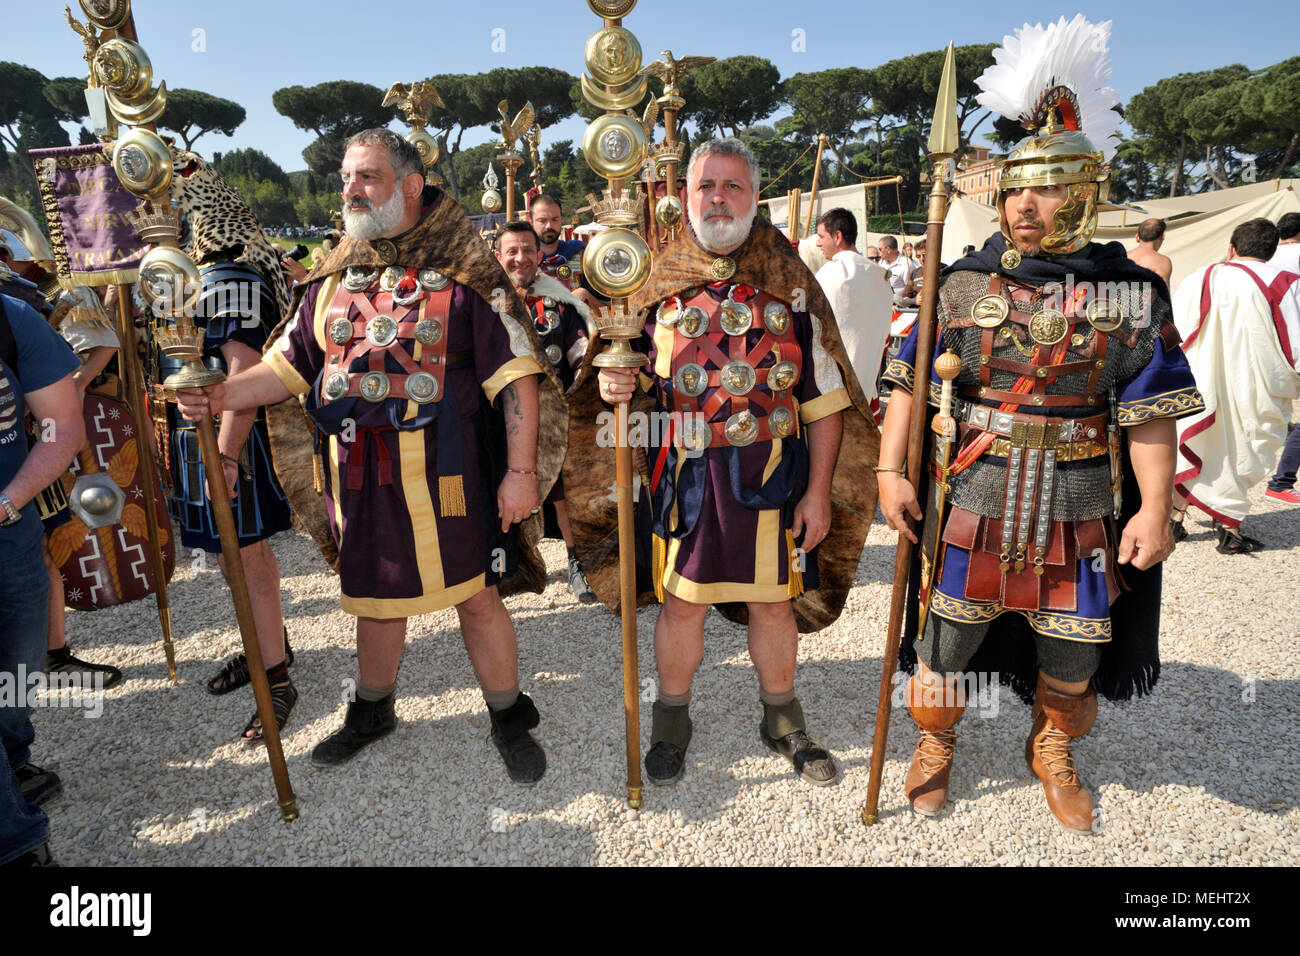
(94, 242)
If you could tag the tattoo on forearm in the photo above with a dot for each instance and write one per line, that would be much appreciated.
(513, 411)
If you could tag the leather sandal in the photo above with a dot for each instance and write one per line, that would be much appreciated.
(1234, 542)
(1176, 528)
(283, 697)
(235, 674)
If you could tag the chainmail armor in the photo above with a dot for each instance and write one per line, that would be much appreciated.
(1082, 488)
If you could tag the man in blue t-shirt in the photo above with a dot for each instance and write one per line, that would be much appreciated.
(36, 374)
(547, 219)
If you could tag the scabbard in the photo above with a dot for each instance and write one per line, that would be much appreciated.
(932, 529)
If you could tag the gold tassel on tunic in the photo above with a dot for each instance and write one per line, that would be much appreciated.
(451, 496)
(658, 561)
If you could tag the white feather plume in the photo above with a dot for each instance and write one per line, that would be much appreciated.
(1073, 54)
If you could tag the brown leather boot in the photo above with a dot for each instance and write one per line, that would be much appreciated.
(926, 783)
(1059, 719)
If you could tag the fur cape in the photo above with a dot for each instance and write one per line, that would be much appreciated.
(766, 262)
(444, 240)
(545, 285)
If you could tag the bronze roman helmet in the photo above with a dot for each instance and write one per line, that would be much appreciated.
(1050, 80)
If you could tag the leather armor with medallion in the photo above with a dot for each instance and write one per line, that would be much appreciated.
(734, 365)
(1035, 472)
(376, 315)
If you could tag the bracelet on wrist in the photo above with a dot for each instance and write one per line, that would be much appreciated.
(896, 471)
(521, 471)
(9, 512)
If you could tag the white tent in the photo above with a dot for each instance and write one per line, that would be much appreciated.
(853, 198)
(1198, 236)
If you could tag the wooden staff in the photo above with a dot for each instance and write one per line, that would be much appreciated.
(943, 147)
(627, 607)
(244, 614)
(128, 361)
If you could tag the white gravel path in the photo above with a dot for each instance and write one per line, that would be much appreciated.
(1203, 772)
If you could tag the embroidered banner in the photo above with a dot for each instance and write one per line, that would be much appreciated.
(85, 205)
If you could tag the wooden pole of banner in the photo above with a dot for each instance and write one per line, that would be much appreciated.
(128, 360)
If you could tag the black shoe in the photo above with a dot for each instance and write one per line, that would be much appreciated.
(1234, 542)
(665, 764)
(524, 758)
(61, 661)
(811, 761)
(666, 761)
(38, 857)
(37, 784)
(1177, 531)
(366, 721)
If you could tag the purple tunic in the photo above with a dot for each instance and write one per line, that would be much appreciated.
(399, 552)
(732, 551)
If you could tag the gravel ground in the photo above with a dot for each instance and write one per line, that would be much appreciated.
(1200, 773)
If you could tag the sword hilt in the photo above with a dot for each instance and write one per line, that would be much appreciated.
(948, 365)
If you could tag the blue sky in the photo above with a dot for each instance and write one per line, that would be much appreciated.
(245, 49)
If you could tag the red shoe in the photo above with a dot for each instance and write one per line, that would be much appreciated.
(1286, 494)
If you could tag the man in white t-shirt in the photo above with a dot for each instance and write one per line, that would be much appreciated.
(859, 292)
(1287, 257)
(899, 267)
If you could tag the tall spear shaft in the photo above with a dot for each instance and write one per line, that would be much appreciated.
(943, 150)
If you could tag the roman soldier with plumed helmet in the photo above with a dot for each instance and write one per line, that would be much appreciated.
(1045, 567)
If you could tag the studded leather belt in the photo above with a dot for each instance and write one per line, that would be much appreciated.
(1065, 451)
(1031, 431)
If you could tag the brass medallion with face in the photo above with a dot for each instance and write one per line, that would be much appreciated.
(1028, 214)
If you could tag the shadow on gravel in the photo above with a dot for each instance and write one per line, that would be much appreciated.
(1203, 727)
(1278, 527)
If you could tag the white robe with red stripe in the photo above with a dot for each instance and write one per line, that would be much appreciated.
(1240, 323)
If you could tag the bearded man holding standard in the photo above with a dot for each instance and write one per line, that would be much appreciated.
(406, 339)
(747, 365)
